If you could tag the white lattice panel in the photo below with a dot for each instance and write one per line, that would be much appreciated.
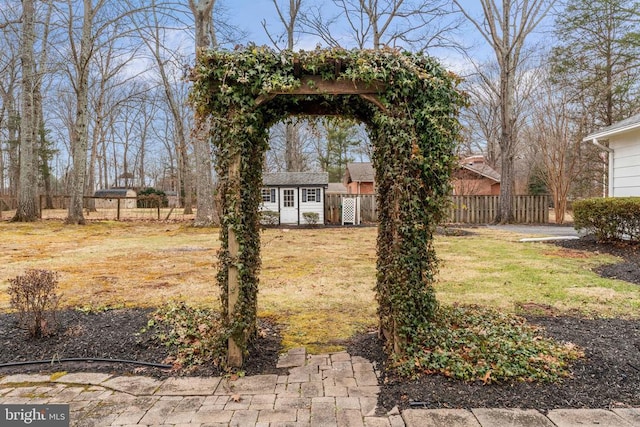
(348, 211)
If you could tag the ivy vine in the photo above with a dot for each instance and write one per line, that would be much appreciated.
(413, 127)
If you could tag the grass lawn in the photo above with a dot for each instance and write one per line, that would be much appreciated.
(317, 283)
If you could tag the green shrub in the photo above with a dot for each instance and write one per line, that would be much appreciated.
(478, 344)
(33, 296)
(614, 218)
(269, 218)
(311, 218)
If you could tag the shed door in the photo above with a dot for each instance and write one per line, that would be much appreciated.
(289, 206)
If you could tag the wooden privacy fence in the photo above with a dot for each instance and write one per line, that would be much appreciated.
(484, 209)
(463, 209)
(333, 208)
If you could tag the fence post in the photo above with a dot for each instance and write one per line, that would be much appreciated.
(118, 209)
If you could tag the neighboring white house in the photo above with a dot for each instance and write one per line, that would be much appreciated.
(291, 194)
(624, 155)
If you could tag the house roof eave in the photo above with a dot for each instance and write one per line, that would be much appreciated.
(630, 124)
(479, 172)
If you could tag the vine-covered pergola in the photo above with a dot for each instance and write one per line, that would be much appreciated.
(409, 105)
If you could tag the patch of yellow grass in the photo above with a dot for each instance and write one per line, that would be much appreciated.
(318, 284)
(114, 263)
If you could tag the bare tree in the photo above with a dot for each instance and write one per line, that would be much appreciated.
(483, 114)
(288, 15)
(555, 139)
(290, 144)
(9, 116)
(151, 28)
(419, 24)
(505, 28)
(44, 150)
(81, 55)
(28, 183)
(102, 21)
(205, 38)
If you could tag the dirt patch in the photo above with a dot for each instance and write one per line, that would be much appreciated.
(453, 231)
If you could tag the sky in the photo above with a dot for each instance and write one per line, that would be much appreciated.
(249, 14)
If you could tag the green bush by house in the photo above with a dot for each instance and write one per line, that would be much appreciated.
(615, 218)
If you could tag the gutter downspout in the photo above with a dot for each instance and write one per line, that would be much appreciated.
(610, 156)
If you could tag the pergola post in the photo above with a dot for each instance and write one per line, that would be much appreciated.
(234, 354)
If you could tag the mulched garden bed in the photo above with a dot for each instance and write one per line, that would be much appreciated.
(608, 377)
(117, 335)
(627, 270)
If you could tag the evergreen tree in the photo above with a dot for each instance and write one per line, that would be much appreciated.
(341, 136)
(599, 57)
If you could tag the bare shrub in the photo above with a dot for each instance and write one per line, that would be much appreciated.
(33, 296)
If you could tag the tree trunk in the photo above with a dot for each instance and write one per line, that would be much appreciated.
(80, 133)
(205, 206)
(13, 143)
(507, 143)
(184, 175)
(206, 215)
(93, 157)
(44, 160)
(44, 150)
(28, 183)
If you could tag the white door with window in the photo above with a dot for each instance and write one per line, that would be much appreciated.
(289, 206)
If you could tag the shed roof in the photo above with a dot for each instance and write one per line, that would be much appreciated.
(113, 192)
(360, 172)
(280, 179)
(625, 125)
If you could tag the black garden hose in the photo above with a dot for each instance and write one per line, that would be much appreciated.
(85, 359)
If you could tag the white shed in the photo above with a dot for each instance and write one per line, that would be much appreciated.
(291, 194)
(624, 155)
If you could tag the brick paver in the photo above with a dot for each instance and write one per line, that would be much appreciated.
(320, 390)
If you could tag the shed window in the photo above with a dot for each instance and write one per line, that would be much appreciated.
(268, 195)
(310, 195)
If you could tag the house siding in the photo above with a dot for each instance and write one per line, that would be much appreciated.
(317, 207)
(360, 188)
(625, 180)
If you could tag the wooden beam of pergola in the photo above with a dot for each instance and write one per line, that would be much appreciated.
(316, 85)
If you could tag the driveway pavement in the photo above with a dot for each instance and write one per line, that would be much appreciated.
(320, 390)
(537, 230)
